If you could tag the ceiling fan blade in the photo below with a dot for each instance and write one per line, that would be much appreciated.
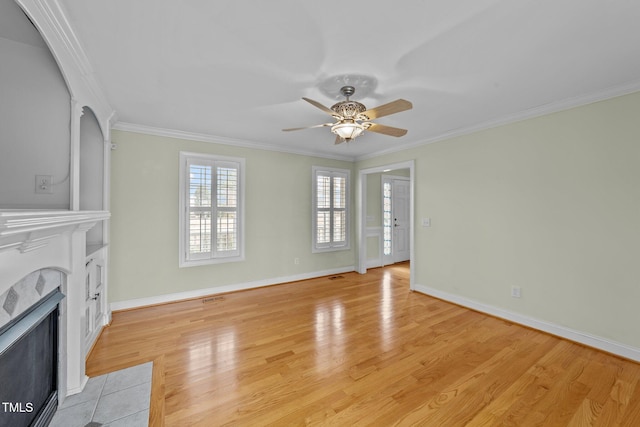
(307, 127)
(338, 140)
(386, 130)
(384, 110)
(322, 107)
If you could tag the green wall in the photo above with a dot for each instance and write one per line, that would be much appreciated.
(549, 204)
(144, 224)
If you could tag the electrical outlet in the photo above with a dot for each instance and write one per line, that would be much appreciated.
(296, 261)
(44, 184)
(516, 292)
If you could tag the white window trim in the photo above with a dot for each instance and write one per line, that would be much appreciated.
(183, 225)
(314, 235)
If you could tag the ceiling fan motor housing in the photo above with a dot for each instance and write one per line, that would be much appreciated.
(348, 109)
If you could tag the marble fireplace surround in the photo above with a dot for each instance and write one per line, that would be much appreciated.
(34, 246)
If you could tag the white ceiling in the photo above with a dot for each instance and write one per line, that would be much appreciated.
(237, 69)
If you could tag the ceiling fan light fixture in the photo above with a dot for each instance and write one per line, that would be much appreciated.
(348, 130)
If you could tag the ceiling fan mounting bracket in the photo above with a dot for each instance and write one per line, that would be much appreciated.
(347, 91)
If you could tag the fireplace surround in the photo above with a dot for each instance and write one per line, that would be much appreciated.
(44, 251)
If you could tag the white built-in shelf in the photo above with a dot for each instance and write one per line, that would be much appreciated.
(92, 249)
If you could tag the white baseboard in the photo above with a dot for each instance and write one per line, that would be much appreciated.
(199, 293)
(72, 391)
(589, 340)
(374, 263)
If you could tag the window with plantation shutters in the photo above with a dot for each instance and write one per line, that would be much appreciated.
(330, 209)
(211, 209)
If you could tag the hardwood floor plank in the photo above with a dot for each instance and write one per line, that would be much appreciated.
(360, 350)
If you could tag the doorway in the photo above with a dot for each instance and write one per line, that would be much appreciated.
(368, 222)
(396, 225)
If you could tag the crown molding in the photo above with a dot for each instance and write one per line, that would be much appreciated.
(542, 110)
(192, 136)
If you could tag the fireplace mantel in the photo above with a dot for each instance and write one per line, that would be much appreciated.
(27, 230)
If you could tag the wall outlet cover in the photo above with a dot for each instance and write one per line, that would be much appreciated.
(44, 184)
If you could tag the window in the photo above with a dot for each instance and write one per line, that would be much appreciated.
(330, 209)
(211, 216)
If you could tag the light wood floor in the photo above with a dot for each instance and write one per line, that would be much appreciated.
(361, 350)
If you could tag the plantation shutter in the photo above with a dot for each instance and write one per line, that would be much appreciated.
(212, 209)
(331, 209)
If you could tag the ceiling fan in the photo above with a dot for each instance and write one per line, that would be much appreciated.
(353, 118)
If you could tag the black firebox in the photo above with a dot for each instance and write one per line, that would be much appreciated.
(29, 366)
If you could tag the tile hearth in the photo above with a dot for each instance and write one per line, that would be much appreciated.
(117, 399)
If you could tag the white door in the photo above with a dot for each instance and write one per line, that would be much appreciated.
(400, 202)
(93, 301)
(89, 303)
(396, 219)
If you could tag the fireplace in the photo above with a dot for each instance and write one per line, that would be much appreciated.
(43, 254)
(29, 365)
